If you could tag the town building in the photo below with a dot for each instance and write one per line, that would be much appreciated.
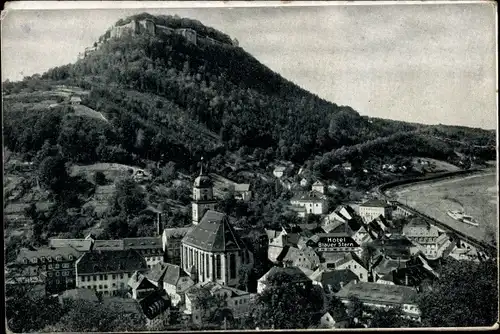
(213, 251)
(319, 187)
(108, 271)
(297, 276)
(172, 241)
(55, 265)
(150, 248)
(243, 192)
(332, 280)
(304, 182)
(313, 201)
(237, 301)
(140, 286)
(305, 257)
(75, 100)
(352, 262)
(374, 208)
(425, 236)
(381, 296)
(156, 308)
(279, 171)
(173, 279)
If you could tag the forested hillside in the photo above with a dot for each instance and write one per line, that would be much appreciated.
(163, 95)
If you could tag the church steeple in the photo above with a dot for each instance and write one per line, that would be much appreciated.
(203, 195)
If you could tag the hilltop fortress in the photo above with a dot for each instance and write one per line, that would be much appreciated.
(147, 25)
(136, 27)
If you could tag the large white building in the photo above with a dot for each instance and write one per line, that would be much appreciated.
(375, 208)
(313, 202)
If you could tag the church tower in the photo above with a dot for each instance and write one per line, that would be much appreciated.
(203, 196)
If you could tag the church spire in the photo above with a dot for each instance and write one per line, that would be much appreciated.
(201, 166)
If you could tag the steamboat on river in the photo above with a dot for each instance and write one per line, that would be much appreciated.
(461, 217)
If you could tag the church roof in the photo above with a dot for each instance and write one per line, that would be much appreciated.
(213, 233)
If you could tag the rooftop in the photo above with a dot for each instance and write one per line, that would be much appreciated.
(142, 243)
(214, 233)
(176, 231)
(241, 187)
(333, 278)
(375, 203)
(49, 253)
(295, 273)
(82, 245)
(310, 196)
(111, 261)
(382, 293)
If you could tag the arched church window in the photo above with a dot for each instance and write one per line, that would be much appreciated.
(232, 265)
(218, 267)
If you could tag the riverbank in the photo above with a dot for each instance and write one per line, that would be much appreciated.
(476, 195)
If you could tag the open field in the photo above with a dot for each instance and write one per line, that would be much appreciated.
(111, 170)
(476, 195)
(81, 110)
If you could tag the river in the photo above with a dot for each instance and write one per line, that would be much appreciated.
(476, 195)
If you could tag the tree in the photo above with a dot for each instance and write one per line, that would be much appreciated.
(355, 309)
(209, 304)
(390, 318)
(336, 308)
(465, 295)
(28, 311)
(129, 198)
(52, 173)
(283, 298)
(88, 316)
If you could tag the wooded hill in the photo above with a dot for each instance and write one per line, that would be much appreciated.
(166, 99)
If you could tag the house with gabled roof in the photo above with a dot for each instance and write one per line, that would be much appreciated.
(242, 191)
(140, 286)
(214, 250)
(55, 267)
(313, 201)
(352, 262)
(279, 171)
(332, 280)
(156, 308)
(295, 275)
(305, 257)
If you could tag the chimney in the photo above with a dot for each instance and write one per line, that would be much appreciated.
(406, 279)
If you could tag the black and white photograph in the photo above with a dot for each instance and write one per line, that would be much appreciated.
(254, 165)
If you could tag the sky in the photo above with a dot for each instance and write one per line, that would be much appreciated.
(431, 64)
